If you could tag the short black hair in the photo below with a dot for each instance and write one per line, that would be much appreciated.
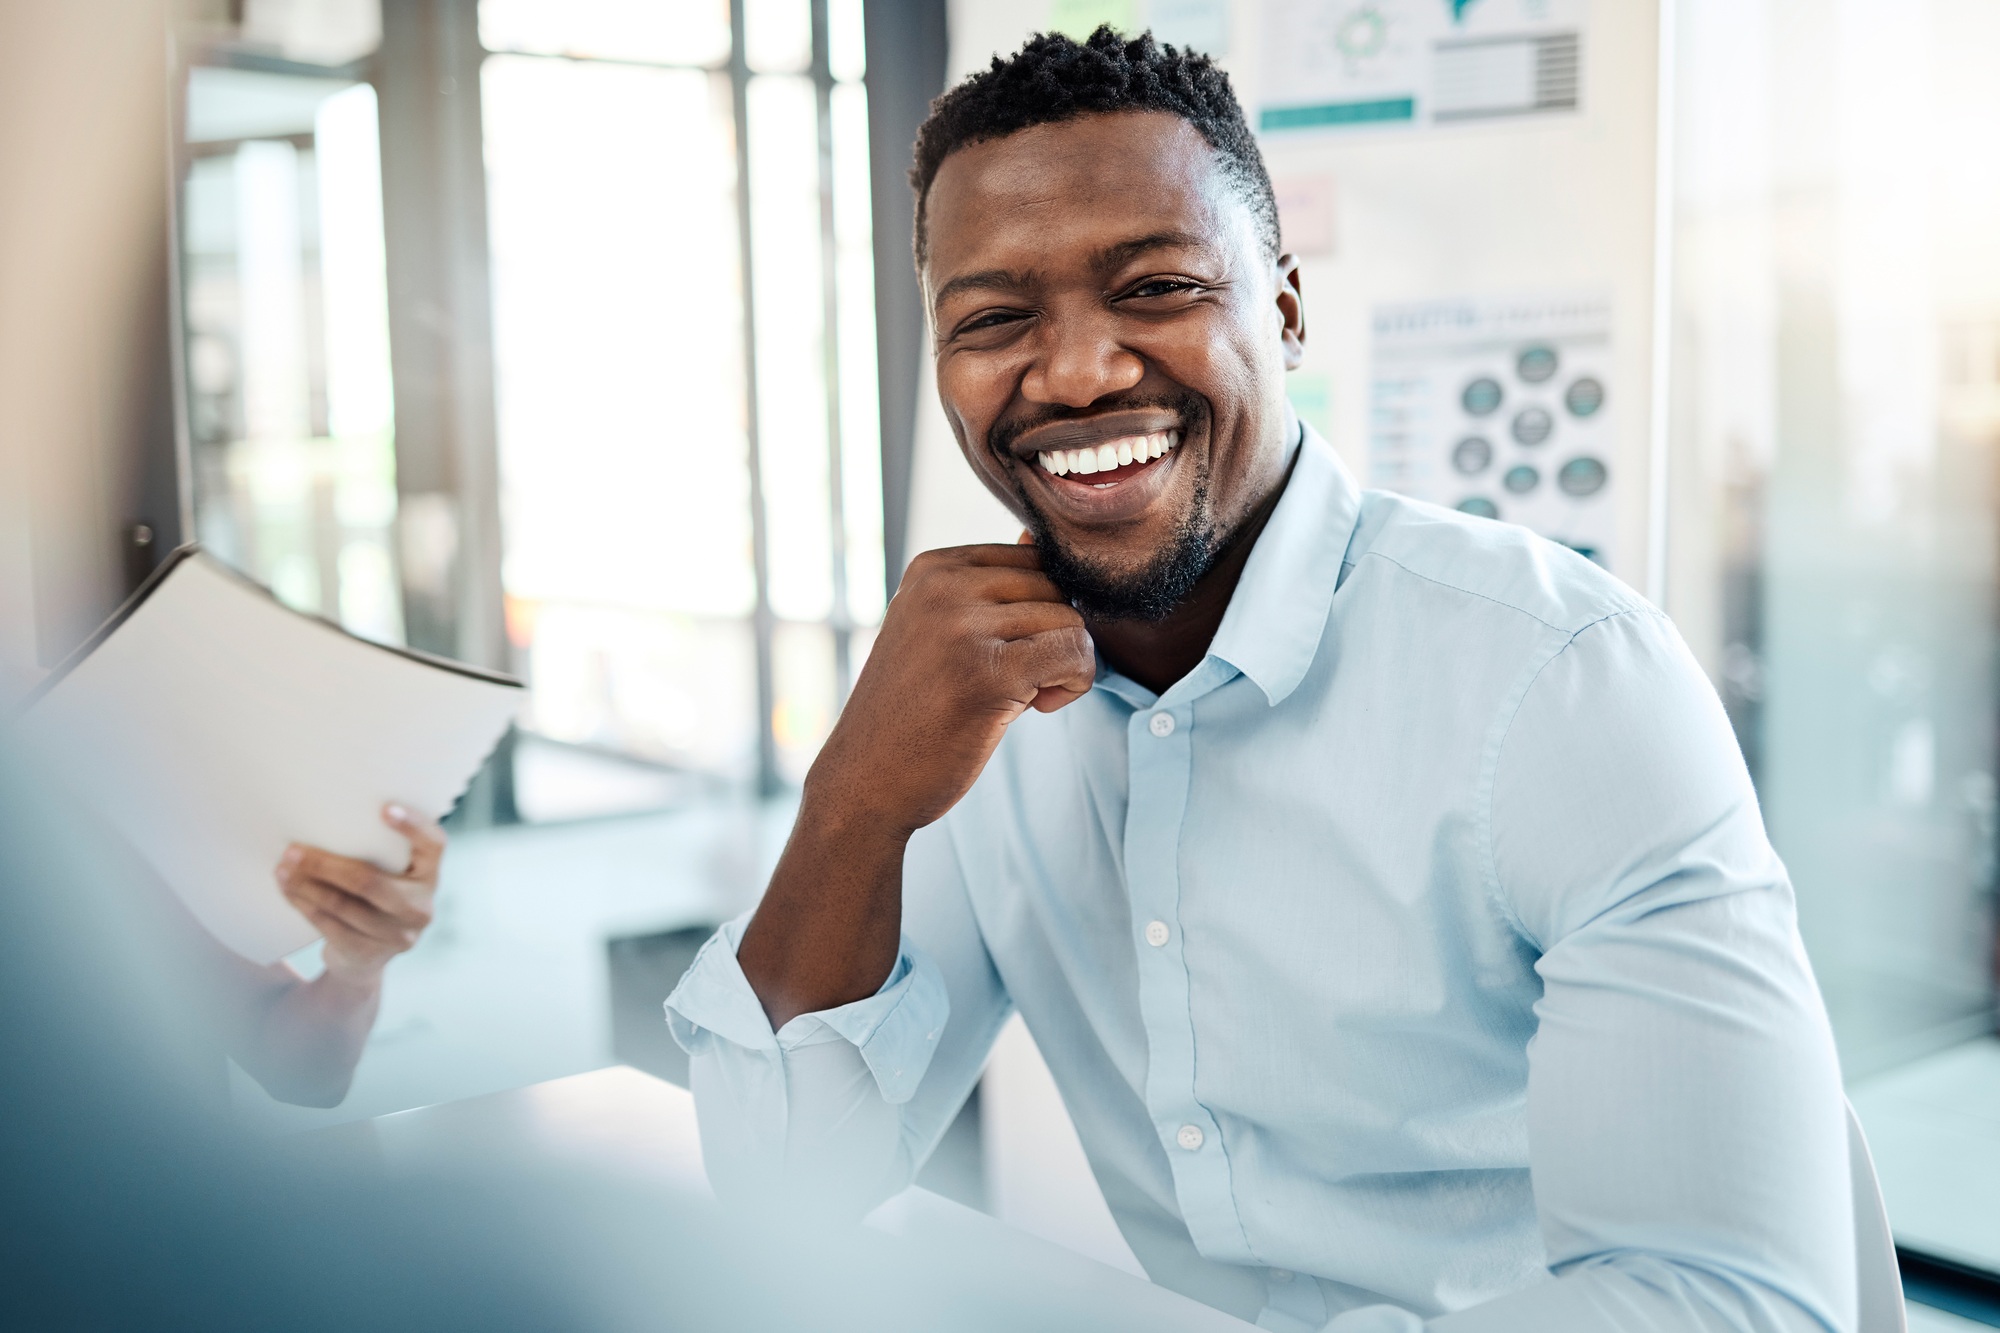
(1054, 78)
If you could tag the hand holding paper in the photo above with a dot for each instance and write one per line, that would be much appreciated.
(214, 728)
(367, 915)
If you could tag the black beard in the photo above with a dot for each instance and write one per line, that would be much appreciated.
(1150, 594)
(1153, 592)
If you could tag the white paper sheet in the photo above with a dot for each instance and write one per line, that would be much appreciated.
(212, 726)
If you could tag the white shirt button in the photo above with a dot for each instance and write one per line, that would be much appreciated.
(1190, 1137)
(1162, 724)
(1281, 1275)
(1156, 933)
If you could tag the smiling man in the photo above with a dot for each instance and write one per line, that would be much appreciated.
(1382, 885)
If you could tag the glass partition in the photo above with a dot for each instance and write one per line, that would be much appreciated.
(286, 334)
(1836, 549)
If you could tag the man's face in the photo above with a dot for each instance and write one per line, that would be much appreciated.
(1100, 283)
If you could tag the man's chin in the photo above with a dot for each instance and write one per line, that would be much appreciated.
(1148, 589)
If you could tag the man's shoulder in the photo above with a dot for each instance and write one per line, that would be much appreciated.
(1498, 563)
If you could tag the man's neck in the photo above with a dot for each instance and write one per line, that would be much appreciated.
(1156, 653)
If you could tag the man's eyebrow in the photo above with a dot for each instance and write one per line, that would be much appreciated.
(1111, 257)
(1116, 256)
(988, 280)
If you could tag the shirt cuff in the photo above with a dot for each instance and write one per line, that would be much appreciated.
(896, 1029)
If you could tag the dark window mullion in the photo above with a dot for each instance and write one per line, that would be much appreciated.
(761, 623)
(842, 617)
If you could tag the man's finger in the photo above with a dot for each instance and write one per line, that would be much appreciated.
(360, 917)
(992, 555)
(427, 842)
(338, 933)
(386, 893)
(1060, 658)
(990, 583)
(1016, 554)
(1024, 620)
(1054, 697)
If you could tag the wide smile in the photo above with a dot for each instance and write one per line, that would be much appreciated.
(1110, 463)
(1104, 470)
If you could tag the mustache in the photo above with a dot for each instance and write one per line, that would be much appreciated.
(1185, 404)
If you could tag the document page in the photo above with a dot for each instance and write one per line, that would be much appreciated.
(212, 726)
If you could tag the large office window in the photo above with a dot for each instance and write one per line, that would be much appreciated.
(678, 206)
(1837, 530)
(683, 344)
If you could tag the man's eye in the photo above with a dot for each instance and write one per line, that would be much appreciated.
(991, 319)
(1162, 287)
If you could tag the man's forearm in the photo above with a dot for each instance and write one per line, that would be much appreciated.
(973, 638)
(829, 928)
(311, 1037)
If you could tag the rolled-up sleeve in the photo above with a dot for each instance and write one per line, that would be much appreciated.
(894, 1031)
(844, 1103)
(1687, 1134)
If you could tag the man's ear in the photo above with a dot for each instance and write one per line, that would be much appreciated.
(1291, 309)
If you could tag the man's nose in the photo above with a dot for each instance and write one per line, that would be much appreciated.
(1079, 362)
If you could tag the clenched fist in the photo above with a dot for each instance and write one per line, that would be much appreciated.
(974, 637)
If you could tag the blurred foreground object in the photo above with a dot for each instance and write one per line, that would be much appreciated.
(126, 1208)
(956, 1267)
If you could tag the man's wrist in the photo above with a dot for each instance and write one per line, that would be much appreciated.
(829, 814)
(359, 978)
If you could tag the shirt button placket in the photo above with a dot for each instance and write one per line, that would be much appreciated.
(1159, 757)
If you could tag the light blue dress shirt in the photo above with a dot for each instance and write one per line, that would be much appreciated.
(1420, 956)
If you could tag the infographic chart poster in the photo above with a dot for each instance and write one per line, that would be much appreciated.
(1502, 408)
(1347, 64)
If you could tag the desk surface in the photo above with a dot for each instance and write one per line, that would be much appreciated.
(631, 1126)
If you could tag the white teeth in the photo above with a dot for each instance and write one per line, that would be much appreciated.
(1105, 457)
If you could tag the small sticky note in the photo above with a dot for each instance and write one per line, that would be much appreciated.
(1312, 398)
(1192, 25)
(1080, 18)
(1305, 213)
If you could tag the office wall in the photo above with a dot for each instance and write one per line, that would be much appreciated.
(86, 443)
(1552, 204)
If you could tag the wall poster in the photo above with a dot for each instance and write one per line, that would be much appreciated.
(1343, 64)
(1502, 408)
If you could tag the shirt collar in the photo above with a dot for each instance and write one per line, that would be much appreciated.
(1277, 615)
